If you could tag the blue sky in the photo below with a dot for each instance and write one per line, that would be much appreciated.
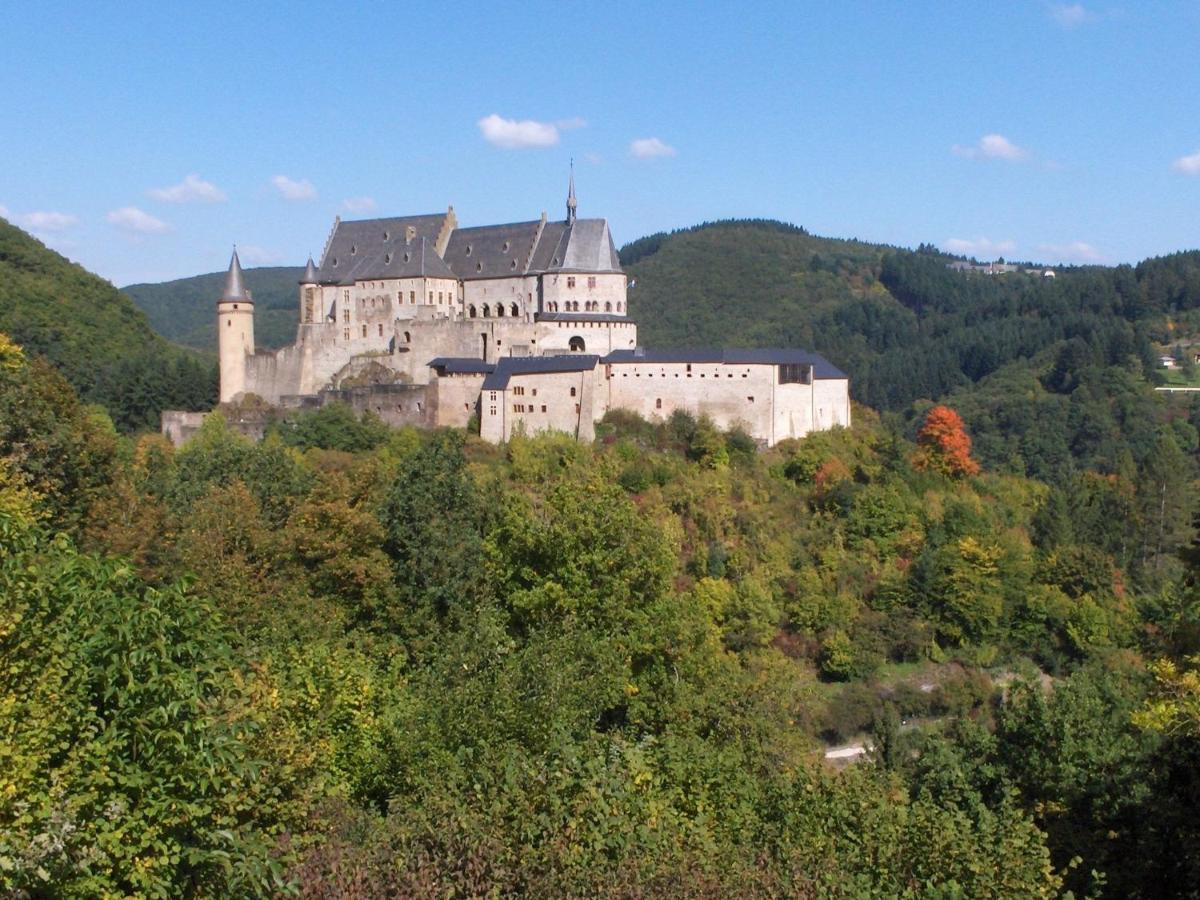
(143, 140)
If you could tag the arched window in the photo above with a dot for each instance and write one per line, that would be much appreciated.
(407, 338)
(515, 310)
(608, 306)
(576, 344)
(471, 310)
(619, 305)
(487, 311)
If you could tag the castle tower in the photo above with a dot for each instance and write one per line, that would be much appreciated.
(235, 332)
(309, 295)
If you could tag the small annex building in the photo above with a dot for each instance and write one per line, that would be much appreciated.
(521, 327)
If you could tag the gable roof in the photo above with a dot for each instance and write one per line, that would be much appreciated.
(534, 365)
(822, 368)
(381, 248)
(491, 251)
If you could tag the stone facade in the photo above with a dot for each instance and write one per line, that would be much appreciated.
(519, 327)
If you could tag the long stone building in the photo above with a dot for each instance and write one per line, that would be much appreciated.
(522, 326)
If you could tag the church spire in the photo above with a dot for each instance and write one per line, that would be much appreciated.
(235, 286)
(571, 196)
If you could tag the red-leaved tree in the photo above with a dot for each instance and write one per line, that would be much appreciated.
(944, 445)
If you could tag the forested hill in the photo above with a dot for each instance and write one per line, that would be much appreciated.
(900, 322)
(95, 336)
(185, 310)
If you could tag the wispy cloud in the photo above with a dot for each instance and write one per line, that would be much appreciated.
(594, 159)
(1073, 252)
(135, 221)
(651, 148)
(290, 189)
(359, 204)
(979, 248)
(992, 146)
(571, 124)
(1188, 165)
(47, 222)
(257, 256)
(1071, 15)
(193, 189)
(511, 134)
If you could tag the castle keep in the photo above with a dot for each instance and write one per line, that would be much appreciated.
(522, 327)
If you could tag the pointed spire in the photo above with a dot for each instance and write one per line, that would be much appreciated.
(310, 272)
(235, 286)
(571, 204)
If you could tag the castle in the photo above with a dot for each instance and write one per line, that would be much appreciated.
(520, 327)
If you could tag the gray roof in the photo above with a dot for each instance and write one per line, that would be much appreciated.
(531, 365)
(583, 246)
(458, 365)
(310, 273)
(235, 285)
(822, 368)
(380, 248)
(491, 251)
(580, 317)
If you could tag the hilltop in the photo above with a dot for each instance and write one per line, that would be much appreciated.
(100, 341)
(184, 310)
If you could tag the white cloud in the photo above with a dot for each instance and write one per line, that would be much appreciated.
(47, 221)
(513, 135)
(992, 146)
(571, 123)
(651, 148)
(192, 188)
(980, 248)
(132, 219)
(1071, 15)
(290, 189)
(257, 256)
(1074, 252)
(1188, 165)
(359, 204)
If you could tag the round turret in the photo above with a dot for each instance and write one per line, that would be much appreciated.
(235, 332)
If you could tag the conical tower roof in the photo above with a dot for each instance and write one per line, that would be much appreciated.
(571, 202)
(310, 273)
(235, 284)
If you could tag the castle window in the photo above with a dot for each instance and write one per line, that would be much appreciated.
(513, 265)
(345, 334)
(572, 392)
(407, 338)
(335, 262)
(471, 310)
(658, 403)
(500, 310)
(381, 329)
(570, 281)
(346, 296)
(493, 410)
(795, 373)
(749, 399)
(229, 324)
(533, 392)
(487, 311)
(353, 250)
(515, 310)
(386, 236)
(619, 306)
(468, 249)
(608, 307)
(591, 281)
(364, 330)
(576, 344)
(387, 259)
(518, 392)
(543, 407)
(505, 246)
(431, 298)
(412, 296)
(345, 315)
(407, 257)
(689, 369)
(478, 267)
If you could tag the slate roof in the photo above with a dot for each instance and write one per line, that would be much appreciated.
(378, 248)
(580, 317)
(822, 368)
(458, 365)
(531, 365)
(491, 251)
(235, 285)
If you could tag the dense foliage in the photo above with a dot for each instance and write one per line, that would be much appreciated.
(184, 310)
(94, 336)
(407, 663)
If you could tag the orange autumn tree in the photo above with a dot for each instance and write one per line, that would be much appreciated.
(944, 445)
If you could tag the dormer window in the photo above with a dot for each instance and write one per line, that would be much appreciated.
(505, 250)
(479, 267)
(468, 249)
(335, 262)
(387, 236)
(387, 260)
(353, 250)
(407, 257)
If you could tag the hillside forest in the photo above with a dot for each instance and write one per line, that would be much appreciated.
(347, 661)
